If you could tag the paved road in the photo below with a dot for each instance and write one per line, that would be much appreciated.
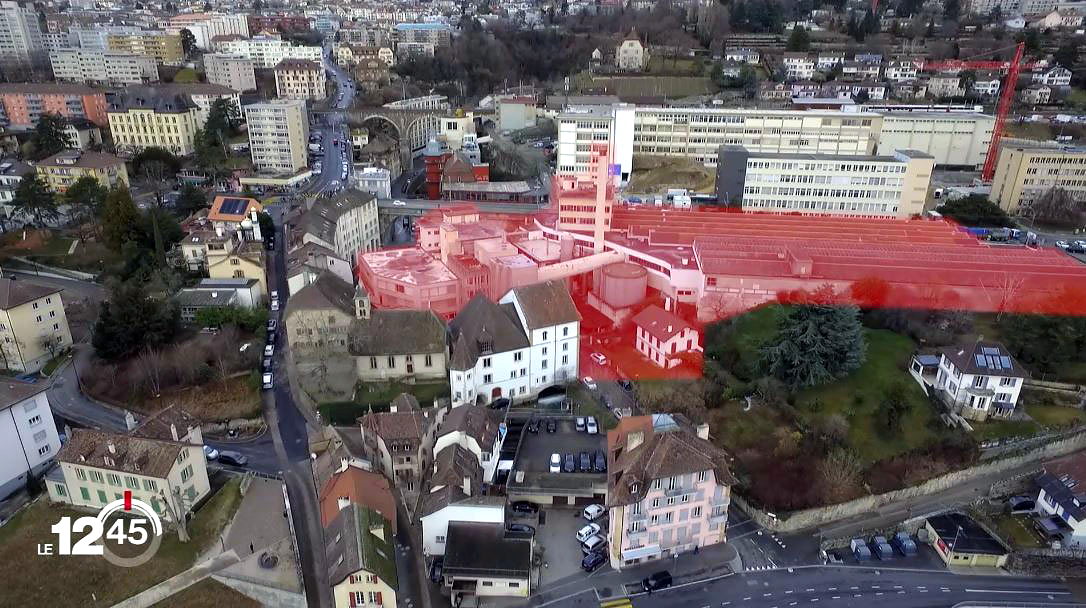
(330, 175)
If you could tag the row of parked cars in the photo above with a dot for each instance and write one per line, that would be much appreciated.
(585, 462)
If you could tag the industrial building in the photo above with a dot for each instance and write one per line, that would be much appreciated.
(1024, 172)
(953, 138)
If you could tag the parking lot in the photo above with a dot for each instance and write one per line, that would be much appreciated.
(536, 448)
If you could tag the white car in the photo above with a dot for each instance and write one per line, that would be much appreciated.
(556, 463)
(267, 381)
(589, 382)
(275, 305)
(587, 532)
(598, 358)
(210, 453)
(593, 512)
(593, 543)
(274, 295)
(1062, 244)
(592, 427)
(399, 204)
(269, 350)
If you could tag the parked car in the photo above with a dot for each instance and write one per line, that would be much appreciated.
(593, 512)
(266, 381)
(272, 325)
(267, 364)
(272, 337)
(436, 567)
(569, 465)
(533, 426)
(1062, 244)
(210, 453)
(600, 463)
(580, 423)
(524, 528)
(524, 507)
(593, 560)
(591, 426)
(499, 404)
(274, 294)
(269, 350)
(656, 581)
(590, 383)
(274, 305)
(585, 462)
(594, 543)
(556, 463)
(552, 425)
(235, 458)
(269, 244)
(587, 532)
(598, 358)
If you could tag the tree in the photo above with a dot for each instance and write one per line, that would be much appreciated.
(267, 225)
(50, 344)
(1067, 53)
(975, 210)
(799, 41)
(120, 219)
(191, 200)
(862, 97)
(1057, 206)
(1044, 342)
(952, 9)
(257, 6)
(894, 406)
(816, 342)
(155, 153)
(131, 321)
(85, 199)
(840, 472)
(870, 292)
(871, 23)
(34, 201)
(49, 136)
(188, 42)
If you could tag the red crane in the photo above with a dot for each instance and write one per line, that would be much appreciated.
(1006, 97)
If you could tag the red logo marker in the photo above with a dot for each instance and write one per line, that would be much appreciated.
(128, 500)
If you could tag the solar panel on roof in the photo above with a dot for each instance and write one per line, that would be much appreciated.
(988, 350)
(1006, 361)
(993, 362)
(233, 206)
(981, 362)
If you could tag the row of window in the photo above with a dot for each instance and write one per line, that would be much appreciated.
(113, 479)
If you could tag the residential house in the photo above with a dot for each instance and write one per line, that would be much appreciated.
(742, 55)
(987, 84)
(1061, 501)
(858, 70)
(396, 441)
(798, 66)
(11, 173)
(396, 344)
(663, 337)
(25, 102)
(631, 54)
(483, 560)
(851, 90)
(229, 212)
(914, 89)
(451, 504)
(233, 71)
(319, 316)
(1052, 19)
(1035, 94)
(475, 428)
(875, 58)
(1056, 76)
(900, 71)
(33, 326)
(945, 85)
(827, 59)
(980, 380)
(83, 134)
(63, 169)
(774, 91)
(668, 489)
(97, 467)
(28, 434)
(360, 552)
(300, 79)
(354, 485)
(346, 224)
(310, 261)
(231, 256)
(217, 293)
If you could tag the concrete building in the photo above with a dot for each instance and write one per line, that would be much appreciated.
(436, 34)
(962, 542)
(141, 119)
(374, 180)
(410, 278)
(25, 102)
(278, 135)
(233, 71)
(20, 35)
(165, 48)
(443, 507)
(1024, 173)
(954, 139)
(63, 169)
(218, 293)
(231, 256)
(516, 112)
(28, 434)
(482, 560)
(668, 489)
(884, 186)
(580, 127)
(900, 71)
(798, 66)
(300, 79)
(979, 381)
(631, 54)
(97, 467)
(346, 224)
(33, 326)
(1035, 94)
(404, 345)
(106, 68)
(1056, 76)
(11, 173)
(267, 51)
(205, 26)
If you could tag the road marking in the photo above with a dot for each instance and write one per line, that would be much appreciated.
(837, 597)
(831, 588)
(897, 586)
(767, 594)
(810, 589)
(900, 592)
(725, 603)
(854, 588)
(878, 593)
(1014, 591)
(787, 592)
(858, 595)
(814, 599)
(792, 603)
(875, 587)
(746, 599)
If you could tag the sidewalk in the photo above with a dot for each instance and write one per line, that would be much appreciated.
(179, 582)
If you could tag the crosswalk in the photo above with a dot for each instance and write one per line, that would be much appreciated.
(619, 603)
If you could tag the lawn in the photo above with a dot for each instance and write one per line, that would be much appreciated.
(52, 365)
(654, 86)
(1029, 130)
(29, 579)
(377, 396)
(991, 430)
(858, 396)
(585, 403)
(1055, 416)
(1015, 530)
(208, 593)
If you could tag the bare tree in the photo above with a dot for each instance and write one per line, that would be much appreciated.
(9, 351)
(51, 344)
(840, 473)
(152, 362)
(224, 351)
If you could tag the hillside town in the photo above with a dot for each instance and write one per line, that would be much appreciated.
(578, 303)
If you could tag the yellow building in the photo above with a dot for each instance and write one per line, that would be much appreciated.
(361, 560)
(33, 326)
(230, 258)
(1025, 172)
(96, 467)
(142, 118)
(63, 169)
(165, 48)
(300, 79)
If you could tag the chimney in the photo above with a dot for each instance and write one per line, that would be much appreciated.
(218, 230)
(703, 430)
(467, 485)
(634, 439)
(129, 420)
(670, 328)
(173, 431)
(667, 305)
(112, 447)
(343, 502)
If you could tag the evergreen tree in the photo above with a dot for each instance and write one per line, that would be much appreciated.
(799, 41)
(120, 219)
(85, 199)
(188, 42)
(131, 321)
(191, 200)
(49, 136)
(34, 201)
(816, 342)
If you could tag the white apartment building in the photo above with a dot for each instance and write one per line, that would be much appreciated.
(375, 180)
(28, 435)
(900, 71)
(1024, 173)
(980, 379)
(20, 34)
(278, 134)
(347, 224)
(664, 337)
(827, 59)
(104, 68)
(267, 51)
(824, 184)
(798, 66)
(97, 37)
(1056, 76)
(205, 26)
(581, 126)
(742, 55)
(300, 79)
(631, 54)
(954, 139)
(233, 71)
(526, 342)
(987, 86)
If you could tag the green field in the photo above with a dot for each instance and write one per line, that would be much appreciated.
(654, 86)
(1055, 416)
(1003, 429)
(377, 396)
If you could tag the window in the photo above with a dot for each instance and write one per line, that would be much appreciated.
(671, 483)
(488, 583)
(34, 420)
(96, 477)
(654, 519)
(667, 517)
(636, 509)
(544, 350)
(81, 474)
(544, 335)
(186, 473)
(980, 381)
(488, 378)
(702, 475)
(513, 584)
(565, 331)
(84, 493)
(655, 502)
(373, 362)
(517, 356)
(132, 482)
(544, 365)
(113, 479)
(685, 498)
(150, 485)
(486, 362)
(391, 361)
(429, 360)
(43, 450)
(102, 497)
(59, 487)
(1007, 381)
(670, 501)
(696, 512)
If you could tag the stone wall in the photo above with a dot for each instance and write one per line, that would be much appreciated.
(810, 518)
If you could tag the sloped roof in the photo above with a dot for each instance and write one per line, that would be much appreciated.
(363, 488)
(661, 324)
(453, 464)
(985, 359)
(407, 426)
(328, 292)
(87, 159)
(483, 550)
(150, 457)
(436, 501)
(232, 208)
(546, 304)
(351, 546)
(476, 421)
(481, 320)
(14, 391)
(14, 292)
(397, 332)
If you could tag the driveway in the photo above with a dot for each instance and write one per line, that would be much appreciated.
(557, 542)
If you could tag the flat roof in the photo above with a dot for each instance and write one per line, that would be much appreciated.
(516, 187)
(834, 157)
(963, 535)
(408, 265)
(484, 550)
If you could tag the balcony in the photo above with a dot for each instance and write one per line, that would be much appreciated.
(637, 516)
(635, 534)
(677, 491)
(718, 517)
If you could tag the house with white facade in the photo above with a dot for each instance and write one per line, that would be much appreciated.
(1056, 76)
(798, 66)
(516, 347)
(742, 55)
(827, 59)
(631, 54)
(477, 429)
(662, 336)
(436, 515)
(986, 85)
(1035, 94)
(28, 435)
(900, 71)
(980, 380)
(1061, 502)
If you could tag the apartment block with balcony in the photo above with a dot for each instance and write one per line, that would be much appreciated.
(300, 79)
(28, 435)
(278, 135)
(63, 169)
(668, 489)
(1025, 172)
(107, 68)
(980, 380)
(21, 42)
(267, 51)
(233, 71)
(25, 102)
(347, 224)
(141, 119)
(165, 48)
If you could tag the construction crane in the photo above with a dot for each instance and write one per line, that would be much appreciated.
(1006, 98)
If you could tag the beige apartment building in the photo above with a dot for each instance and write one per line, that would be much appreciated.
(165, 48)
(144, 119)
(92, 66)
(229, 257)
(33, 326)
(233, 71)
(300, 79)
(278, 135)
(1024, 173)
(63, 169)
(824, 184)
